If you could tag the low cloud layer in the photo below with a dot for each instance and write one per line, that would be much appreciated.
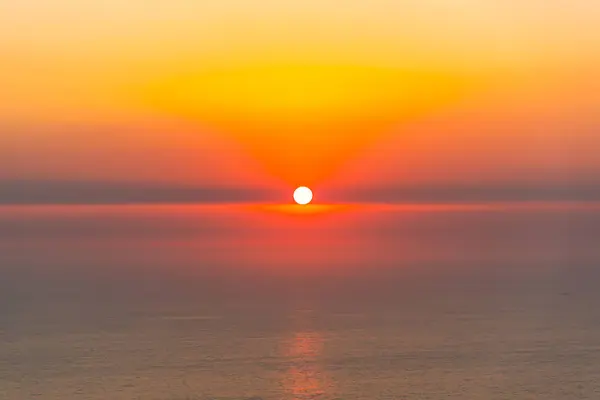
(473, 193)
(80, 192)
(77, 192)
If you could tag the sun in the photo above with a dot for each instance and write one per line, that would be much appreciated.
(303, 195)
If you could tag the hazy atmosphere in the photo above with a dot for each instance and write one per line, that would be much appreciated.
(316, 200)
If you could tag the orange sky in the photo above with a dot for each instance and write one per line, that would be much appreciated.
(261, 92)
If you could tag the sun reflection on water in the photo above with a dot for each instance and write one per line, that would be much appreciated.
(305, 377)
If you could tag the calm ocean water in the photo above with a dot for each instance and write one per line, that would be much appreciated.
(366, 302)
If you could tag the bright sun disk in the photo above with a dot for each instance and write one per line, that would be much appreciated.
(303, 195)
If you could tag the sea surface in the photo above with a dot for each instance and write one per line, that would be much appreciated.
(232, 302)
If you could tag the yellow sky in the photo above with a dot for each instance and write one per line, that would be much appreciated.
(199, 91)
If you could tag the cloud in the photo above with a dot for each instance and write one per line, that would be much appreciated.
(474, 193)
(104, 192)
(93, 192)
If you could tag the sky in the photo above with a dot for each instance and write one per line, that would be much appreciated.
(357, 96)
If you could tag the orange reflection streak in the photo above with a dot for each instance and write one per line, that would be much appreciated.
(305, 379)
(296, 209)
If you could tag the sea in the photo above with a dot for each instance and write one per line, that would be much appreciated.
(268, 302)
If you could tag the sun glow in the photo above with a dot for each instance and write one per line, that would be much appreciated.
(303, 195)
(301, 120)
